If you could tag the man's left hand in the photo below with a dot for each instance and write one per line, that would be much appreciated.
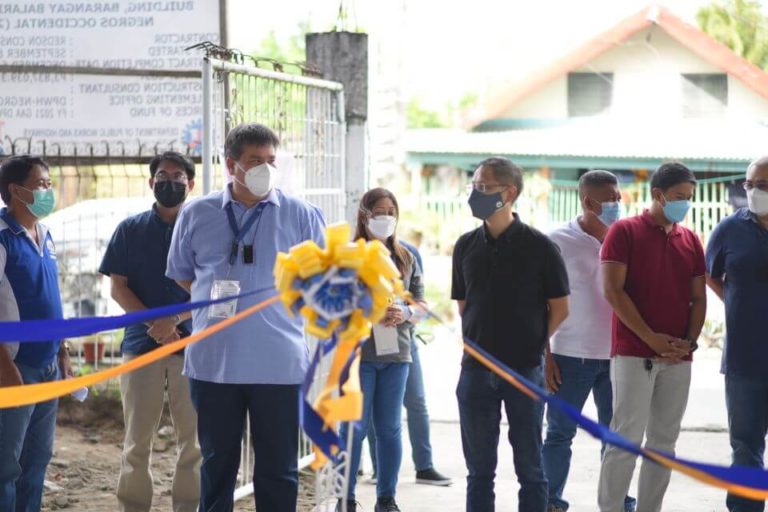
(162, 329)
(65, 365)
(552, 373)
(684, 348)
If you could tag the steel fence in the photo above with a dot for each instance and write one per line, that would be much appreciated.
(97, 186)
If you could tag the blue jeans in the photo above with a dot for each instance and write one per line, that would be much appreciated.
(26, 445)
(415, 403)
(579, 376)
(273, 411)
(383, 386)
(481, 394)
(747, 402)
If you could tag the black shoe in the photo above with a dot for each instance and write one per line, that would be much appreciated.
(386, 505)
(351, 506)
(432, 477)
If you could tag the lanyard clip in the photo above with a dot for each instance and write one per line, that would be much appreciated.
(233, 253)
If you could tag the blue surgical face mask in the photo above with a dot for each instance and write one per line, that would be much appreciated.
(485, 205)
(675, 211)
(43, 203)
(611, 212)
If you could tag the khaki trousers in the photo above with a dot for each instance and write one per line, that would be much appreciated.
(144, 392)
(650, 404)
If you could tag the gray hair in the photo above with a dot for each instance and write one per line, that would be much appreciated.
(596, 178)
(249, 134)
(758, 163)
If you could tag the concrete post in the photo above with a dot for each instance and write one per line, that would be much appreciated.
(343, 57)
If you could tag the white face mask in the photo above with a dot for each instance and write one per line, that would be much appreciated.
(382, 227)
(259, 179)
(757, 201)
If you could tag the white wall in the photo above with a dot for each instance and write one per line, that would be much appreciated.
(551, 102)
(744, 103)
(647, 84)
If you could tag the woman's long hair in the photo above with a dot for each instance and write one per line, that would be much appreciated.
(400, 255)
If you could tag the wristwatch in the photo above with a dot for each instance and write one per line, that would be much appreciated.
(693, 344)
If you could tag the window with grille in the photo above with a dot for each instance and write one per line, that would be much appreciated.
(704, 94)
(589, 94)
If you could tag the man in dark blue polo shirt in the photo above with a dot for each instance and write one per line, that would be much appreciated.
(512, 288)
(135, 261)
(737, 271)
(29, 290)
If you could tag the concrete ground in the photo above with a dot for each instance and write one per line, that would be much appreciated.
(683, 495)
(704, 439)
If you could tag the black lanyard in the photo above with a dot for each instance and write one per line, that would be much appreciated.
(239, 233)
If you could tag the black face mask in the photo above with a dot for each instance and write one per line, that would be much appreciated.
(170, 193)
(485, 205)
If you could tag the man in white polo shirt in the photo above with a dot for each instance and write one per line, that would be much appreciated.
(579, 357)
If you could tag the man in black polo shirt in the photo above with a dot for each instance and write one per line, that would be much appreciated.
(512, 289)
(135, 261)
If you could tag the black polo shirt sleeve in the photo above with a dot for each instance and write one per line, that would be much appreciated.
(555, 276)
(115, 260)
(458, 285)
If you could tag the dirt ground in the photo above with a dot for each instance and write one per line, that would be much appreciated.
(83, 473)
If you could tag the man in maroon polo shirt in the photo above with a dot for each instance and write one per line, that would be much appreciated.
(653, 271)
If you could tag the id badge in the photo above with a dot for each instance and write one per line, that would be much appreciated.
(220, 290)
(385, 340)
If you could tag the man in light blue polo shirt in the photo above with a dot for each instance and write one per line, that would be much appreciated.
(29, 290)
(223, 244)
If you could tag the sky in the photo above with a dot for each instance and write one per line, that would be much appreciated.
(438, 51)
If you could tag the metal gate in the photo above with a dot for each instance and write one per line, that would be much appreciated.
(306, 113)
(308, 116)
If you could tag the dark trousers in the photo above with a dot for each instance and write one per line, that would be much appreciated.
(481, 395)
(273, 411)
(747, 401)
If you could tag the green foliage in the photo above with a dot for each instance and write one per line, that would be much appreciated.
(420, 117)
(292, 49)
(449, 116)
(740, 25)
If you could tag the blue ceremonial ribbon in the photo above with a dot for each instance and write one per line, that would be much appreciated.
(311, 422)
(739, 476)
(33, 331)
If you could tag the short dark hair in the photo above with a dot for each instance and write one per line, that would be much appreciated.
(249, 133)
(671, 174)
(16, 170)
(505, 171)
(175, 157)
(596, 178)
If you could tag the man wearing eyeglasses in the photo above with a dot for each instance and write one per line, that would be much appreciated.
(737, 271)
(512, 290)
(135, 262)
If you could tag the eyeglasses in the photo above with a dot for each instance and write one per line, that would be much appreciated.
(179, 177)
(760, 185)
(483, 187)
